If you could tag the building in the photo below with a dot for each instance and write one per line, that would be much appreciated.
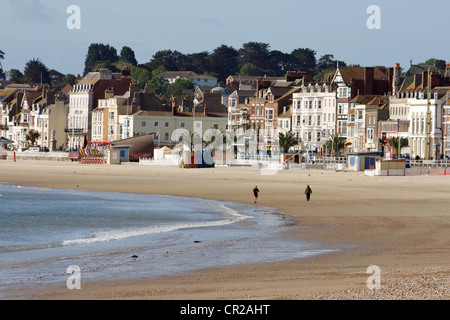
(85, 96)
(355, 80)
(106, 125)
(422, 96)
(164, 124)
(364, 115)
(313, 115)
(53, 122)
(238, 110)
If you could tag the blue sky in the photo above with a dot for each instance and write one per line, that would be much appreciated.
(414, 29)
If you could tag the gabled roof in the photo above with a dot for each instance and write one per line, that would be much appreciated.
(357, 73)
(287, 114)
(408, 79)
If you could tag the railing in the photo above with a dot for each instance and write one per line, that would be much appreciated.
(429, 163)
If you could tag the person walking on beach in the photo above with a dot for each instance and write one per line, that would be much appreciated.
(255, 193)
(308, 192)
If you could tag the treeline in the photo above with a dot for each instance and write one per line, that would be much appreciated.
(252, 59)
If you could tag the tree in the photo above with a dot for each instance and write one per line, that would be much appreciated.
(32, 136)
(127, 55)
(287, 140)
(197, 62)
(170, 60)
(68, 79)
(99, 53)
(438, 63)
(335, 143)
(36, 72)
(394, 143)
(143, 76)
(304, 60)
(249, 69)
(161, 85)
(224, 61)
(176, 89)
(279, 63)
(257, 53)
(16, 76)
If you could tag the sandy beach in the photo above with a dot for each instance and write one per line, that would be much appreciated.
(401, 224)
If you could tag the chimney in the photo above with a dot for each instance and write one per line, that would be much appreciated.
(396, 79)
(125, 72)
(447, 71)
(424, 79)
(174, 105)
(435, 79)
(417, 80)
(368, 80)
(109, 93)
(205, 111)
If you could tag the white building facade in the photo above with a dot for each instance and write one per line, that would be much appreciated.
(313, 115)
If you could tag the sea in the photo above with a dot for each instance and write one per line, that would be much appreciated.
(45, 233)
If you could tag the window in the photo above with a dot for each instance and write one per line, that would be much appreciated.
(370, 134)
(144, 124)
(319, 104)
(156, 123)
(166, 136)
(166, 124)
(318, 120)
(216, 126)
(182, 124)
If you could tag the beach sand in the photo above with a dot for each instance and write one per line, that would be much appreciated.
(400, 224)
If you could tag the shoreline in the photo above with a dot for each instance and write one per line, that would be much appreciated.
(397, 223)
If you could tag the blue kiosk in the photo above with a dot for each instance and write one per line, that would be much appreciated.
(360, 161)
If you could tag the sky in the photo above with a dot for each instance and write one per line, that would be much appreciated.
(414, 30)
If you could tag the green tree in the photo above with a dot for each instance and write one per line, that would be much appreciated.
(287, 140)
(257, 53)
(32, 136)
(36, 72)
(304, 60)
(143, 76)
(197, 62)
(394, 143)
(335, 143)
(224, 61)
(176, 89)
(127, 55)
(438, 63)
(68, 79)
(170, 60)
(250, 69)
(99, 53)
(16, 76)
(161, 85)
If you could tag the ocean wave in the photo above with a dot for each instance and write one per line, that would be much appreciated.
(120, 234)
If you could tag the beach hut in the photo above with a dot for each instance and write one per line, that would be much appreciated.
(360, 161)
